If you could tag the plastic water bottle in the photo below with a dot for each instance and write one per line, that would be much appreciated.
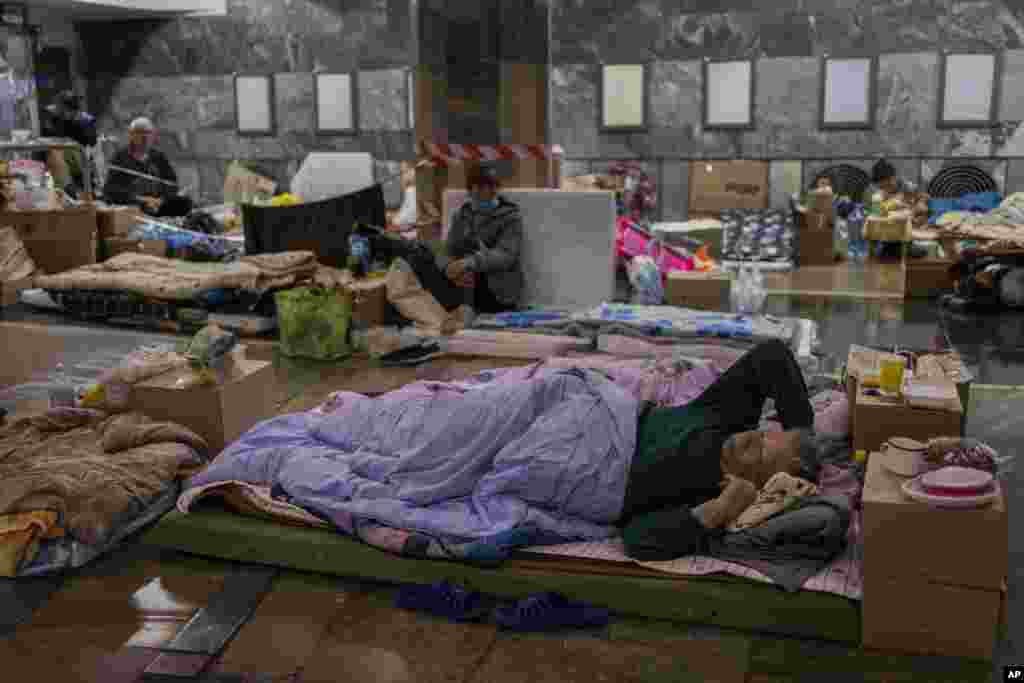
(63, 393)
(743, 290)
(760, 294)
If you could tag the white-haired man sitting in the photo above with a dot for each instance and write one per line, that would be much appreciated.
(141, 175)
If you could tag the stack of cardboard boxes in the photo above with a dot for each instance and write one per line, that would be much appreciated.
(934, 578)
(814, 221)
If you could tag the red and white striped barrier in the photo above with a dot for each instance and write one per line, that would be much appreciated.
(442, 155)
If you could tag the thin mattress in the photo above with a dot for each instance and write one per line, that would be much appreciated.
(720, 600)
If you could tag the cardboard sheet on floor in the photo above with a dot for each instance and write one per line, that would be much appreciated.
(513, 344)
(568, 255)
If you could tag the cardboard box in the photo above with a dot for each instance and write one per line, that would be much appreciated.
(117, 221)
(11, 290)
(221, 413)
(719, 185)
(923, 617)
(912, 541)
(928, 277)
(896, 228)
(57, 240)
(876, 419)
(817, 247)
(114, 246)
(697, 290)
(860, 359)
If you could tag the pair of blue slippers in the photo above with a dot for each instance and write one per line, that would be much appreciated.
(538, 612)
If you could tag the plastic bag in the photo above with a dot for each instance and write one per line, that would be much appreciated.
(407, 212)
(646, 280)
(314, 322)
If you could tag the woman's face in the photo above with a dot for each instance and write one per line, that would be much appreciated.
(484, 193)
(756, 456)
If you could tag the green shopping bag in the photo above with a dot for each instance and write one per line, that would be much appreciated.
(314, 322)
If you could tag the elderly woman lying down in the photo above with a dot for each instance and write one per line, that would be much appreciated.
(451, 470)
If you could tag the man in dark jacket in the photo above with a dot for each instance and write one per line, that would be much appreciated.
(65, 119)
(140, 175)
(483, 245)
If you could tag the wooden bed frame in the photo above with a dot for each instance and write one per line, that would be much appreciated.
(719, 600)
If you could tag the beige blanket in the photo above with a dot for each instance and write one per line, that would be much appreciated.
(90, 467)
(176, 280)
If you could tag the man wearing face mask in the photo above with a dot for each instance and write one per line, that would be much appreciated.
(141, 175)
(483, 245)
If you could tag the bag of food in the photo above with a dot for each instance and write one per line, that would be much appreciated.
(314, 322)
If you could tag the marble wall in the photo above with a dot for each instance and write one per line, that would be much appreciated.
(179, 73)
(788, 39)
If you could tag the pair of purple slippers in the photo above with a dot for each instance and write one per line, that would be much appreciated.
(538, 612)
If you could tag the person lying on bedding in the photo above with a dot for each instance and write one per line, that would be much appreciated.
(699, 466)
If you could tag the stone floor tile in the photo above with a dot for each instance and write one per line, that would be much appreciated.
(370, 640)
(547, 659)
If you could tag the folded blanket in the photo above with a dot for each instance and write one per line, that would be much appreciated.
(89, 467)
(172, 279)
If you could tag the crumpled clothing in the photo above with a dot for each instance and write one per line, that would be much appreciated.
(210, 345)
(791, 547)
(142, 364)
(780, 493)
(20, 536)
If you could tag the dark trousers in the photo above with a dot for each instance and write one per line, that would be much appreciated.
(767, 371)
(665, 482)
(484, 300)
(174, 207)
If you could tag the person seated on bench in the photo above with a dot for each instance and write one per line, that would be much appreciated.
(140, 175)
(699, 466)
(483, 245)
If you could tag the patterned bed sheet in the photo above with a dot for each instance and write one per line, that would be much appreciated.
(843, 576)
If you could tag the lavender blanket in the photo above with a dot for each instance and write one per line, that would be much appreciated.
(447, 470)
